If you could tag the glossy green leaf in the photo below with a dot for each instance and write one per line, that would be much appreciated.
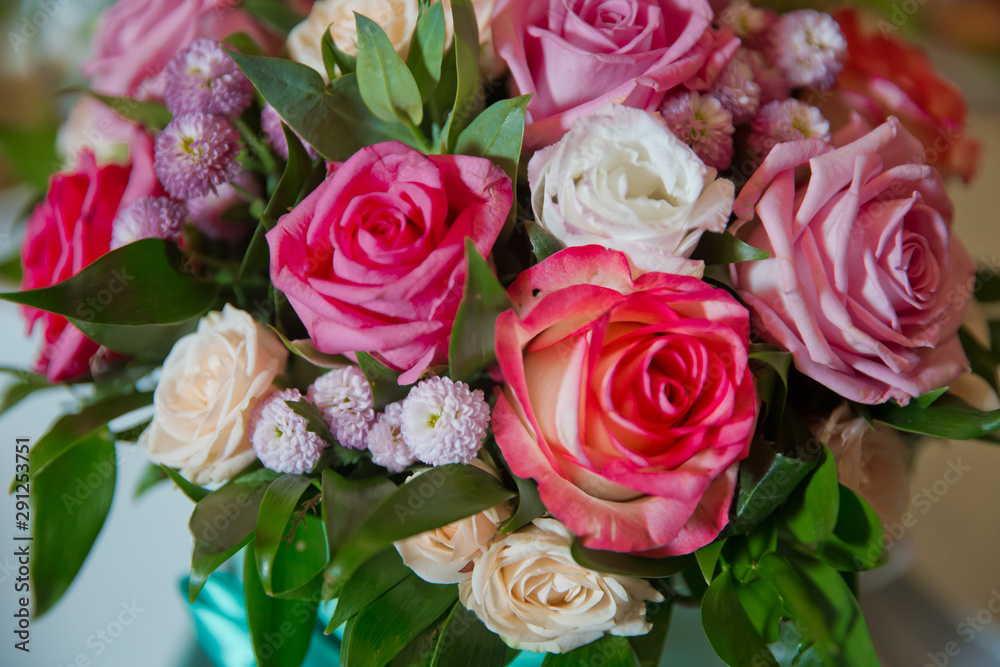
(151, 476)
(466, 641)
(274, 14)
(928, 399)
(471, 347)
(347, 502)
(466, 48)
(543, 243)
(949, 417)
(335, 61)
(497, 133)
(729, 630)
(154, 115)
(150, 341)
(626, 565)
(433, 499)
(608, 651)
(376, 576)
(383, 628)
(762, 606)
(69, 499)
(857, 543)
(384, 381)
(725, 248)
(193, 492)
(280, 630)
(221, 524)
(427, 50)
(529, 506)
(420, 651)
(317, 112)
(811, 511)
(386, 85)
(649, 647)
(18, 391)
(770, 365)
(115, 289)
(305, 349)
(708, 558)
(280, 500)
(981, 360)
(300, 561)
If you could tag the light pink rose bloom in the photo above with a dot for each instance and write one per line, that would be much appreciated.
(373, 260)
(866, 286)
(575, 55)
(135, 39)
(628, 400)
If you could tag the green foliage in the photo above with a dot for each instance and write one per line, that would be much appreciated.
(290, 620)
(376, 576)
(427, 50)
(384, 381)
(812, 510)
(728, 627)
(949, 417)
(725, 248)
(386, 85)
(543, 243)
(484, 298)
(273, 13)
(627, 565)
(608, 650)
(276, 507)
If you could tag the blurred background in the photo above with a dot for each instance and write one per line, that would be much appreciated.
(931, 606)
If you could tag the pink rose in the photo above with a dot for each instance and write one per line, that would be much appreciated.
(865, 286)
(576, 55)
(883, 77)
(67, 231)
(628, 400)
(135, 39)
(373, 260)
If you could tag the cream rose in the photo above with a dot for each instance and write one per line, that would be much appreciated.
(528, 589)
(620, 179)
(873, 463)
(211, 381)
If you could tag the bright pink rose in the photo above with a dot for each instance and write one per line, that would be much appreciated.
(629, 401)
(373, 260)
(67, 231)
(576, 55)
(886, 77)
(866, 286)
(135, 39)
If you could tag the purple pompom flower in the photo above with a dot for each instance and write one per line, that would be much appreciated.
(203, 78)
(195, 154)
(702, 123)
(788, 120)
(808, 47)
(148, 218)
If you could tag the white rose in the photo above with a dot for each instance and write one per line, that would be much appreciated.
(874, 463)
(620, 179)
(210, 383)
(528, 589)
(397, 18)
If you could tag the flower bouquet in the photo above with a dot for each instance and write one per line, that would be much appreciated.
(506, 326)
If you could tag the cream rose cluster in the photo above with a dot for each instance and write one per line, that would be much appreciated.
(620, 179)
(212, 379)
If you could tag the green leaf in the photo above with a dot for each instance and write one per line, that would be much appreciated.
(466, 48)
(347, 502)
(273, 14)
(728, 627)
(708, 558)
(221, 524)
(319, 113)
(927, 400)
(857, 542)
(949, 418)
(981, 360)
(811, 511)
(149, 342)
(372, 579)
(484, 298)
(18, 391)
(822, 607)
(70, 499)
(386, 86)
(10, 268)
(466, 641)
(543, 243)
(31, 153)
(335, 61)
(766, 479)
(420, 651)
(290, 621)
(280, 499)
(153, 115)
(297, 570)
(383, 628)
(193, 492)
(627, 565)
(770, 365)
(725, 248)
(433, 499)
(305, 349)
(427, 50)
(649, 647)
(497, 133)
(763, 606)
(384, 381)
(115, 289)
(529, 506)
(607, 651)
(152, 476)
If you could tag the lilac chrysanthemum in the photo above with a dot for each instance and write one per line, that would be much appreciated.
(701, 123)
(385, 441)
(444, 421)
(808, 47)
(148, 218)
(737, 91)
(771, 80)
(280, 437)
(270, 123)
(787, 120)
(195, 154)
(345, 398)
(212, 213)
(203, 78)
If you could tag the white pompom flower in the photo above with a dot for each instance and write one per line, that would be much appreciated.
(345, 398)
(444, 421)
(385, 440)
(281, 438)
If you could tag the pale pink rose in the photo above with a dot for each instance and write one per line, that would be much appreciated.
(866, 286)
(575, 56)
(135, 39)
(628, 400)
(373, 260)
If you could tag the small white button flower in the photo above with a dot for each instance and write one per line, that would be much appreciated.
(280, 437)
(385, 441)
(345, 398)
(444, 421)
